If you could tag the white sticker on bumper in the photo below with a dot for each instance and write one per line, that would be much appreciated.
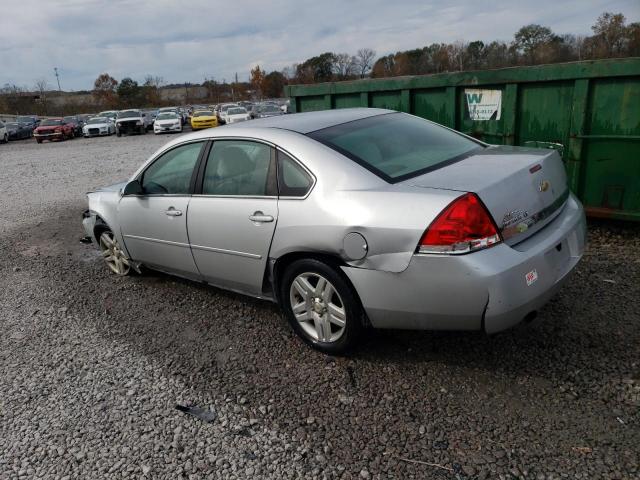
(531, 277)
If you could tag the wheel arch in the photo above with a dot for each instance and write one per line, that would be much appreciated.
(277, 267)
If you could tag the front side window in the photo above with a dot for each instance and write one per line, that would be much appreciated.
(293, 180)
(171, 173)
(397, 146)
(237, 167)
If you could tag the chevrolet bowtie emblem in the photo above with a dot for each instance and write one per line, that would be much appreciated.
(544, 185)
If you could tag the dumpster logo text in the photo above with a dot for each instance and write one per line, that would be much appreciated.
(484, 104)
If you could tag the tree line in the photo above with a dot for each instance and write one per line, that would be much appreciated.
(532, 44)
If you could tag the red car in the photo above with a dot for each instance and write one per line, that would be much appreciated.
(53, 129)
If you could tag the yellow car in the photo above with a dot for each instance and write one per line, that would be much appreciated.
(203, 119)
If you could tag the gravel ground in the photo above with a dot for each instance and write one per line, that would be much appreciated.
(93, 365)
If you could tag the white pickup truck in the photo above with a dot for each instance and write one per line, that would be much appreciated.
(132, 121)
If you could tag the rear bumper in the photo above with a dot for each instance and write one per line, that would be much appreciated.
(486, 289)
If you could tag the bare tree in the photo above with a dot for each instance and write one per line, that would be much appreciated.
(343, 65)
(153, 81)
(42, 86)
(364, 61)
(458, 54)
(611, 32)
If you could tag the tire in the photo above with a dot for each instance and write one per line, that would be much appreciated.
(325, 301)
(5, 139)
(112, 254)
(143, 130)
(38, 140)
(118, 134)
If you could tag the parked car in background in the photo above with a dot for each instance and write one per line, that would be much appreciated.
(4, 135)
(150, 115)
(266, 110)
(203, 119)
(131, 121)
(167, 122)
(32, 121)
(236, 114)
(177, 110)
(18, 131)
(53, 129)
(77, 124)
(112, 114)
(351, 217)
(98, 126)
(222, 111)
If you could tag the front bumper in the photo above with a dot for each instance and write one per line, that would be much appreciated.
(486, 289)
(203, 125)
(101, 133)
(129, 127)
(48, 135)
(89, 223)
(167, 128)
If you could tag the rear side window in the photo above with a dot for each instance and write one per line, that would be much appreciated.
(397, 146)
(293, 180)
(237, 168)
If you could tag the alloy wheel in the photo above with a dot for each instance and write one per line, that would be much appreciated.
(113, 255)
(317, 307)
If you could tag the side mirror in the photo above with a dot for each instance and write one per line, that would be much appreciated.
(133, 188)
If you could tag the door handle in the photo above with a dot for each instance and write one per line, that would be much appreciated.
(172, 212)
(260, 217)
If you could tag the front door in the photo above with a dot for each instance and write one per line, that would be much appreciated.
(231, 223)
(154, 224)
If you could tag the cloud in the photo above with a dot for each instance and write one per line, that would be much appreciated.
(199, 38)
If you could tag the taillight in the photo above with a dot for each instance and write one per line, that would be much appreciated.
(464, 226)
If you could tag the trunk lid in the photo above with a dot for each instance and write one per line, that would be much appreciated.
(523, 188)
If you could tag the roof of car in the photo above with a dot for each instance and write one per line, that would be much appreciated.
(311, 121)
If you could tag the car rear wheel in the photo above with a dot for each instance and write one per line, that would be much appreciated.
(112, 254)
(321, 306)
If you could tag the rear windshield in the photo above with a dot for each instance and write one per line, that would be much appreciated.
(397, 146)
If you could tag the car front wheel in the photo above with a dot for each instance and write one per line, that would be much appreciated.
(112, 253)
(321, 306)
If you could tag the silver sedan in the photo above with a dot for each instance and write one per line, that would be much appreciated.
(348, 219)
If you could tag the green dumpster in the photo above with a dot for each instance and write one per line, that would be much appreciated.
(588, 111)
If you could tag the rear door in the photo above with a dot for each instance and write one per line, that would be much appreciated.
(154, 224)
(234, 214)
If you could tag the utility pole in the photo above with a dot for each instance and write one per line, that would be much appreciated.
(236, 87)
(55, 69)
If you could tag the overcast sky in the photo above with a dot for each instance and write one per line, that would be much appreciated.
(190, 40)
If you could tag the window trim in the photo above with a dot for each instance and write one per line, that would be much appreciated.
(304, 168)
(144, 169)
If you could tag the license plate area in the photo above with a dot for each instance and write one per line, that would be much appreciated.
(558, 258)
